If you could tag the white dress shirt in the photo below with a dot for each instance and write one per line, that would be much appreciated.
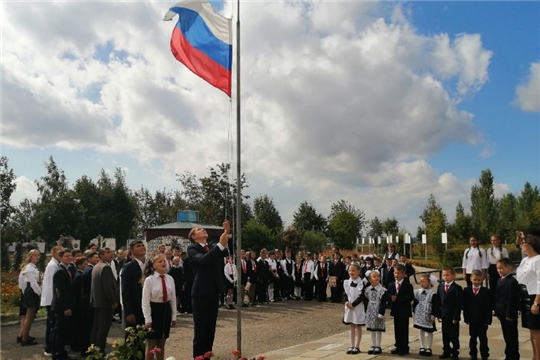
(528, 274)
(47, 288)
(494, 255)
(153, 292)
(308, 267)
(472, 260)
(230, 272)
(284, 266)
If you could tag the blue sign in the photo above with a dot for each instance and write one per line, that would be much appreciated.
(187, 216)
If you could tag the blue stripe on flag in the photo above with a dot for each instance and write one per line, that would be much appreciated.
(201, 37)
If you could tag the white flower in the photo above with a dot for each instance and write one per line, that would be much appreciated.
(171, 358)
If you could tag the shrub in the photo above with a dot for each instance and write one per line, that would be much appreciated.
(11, 294)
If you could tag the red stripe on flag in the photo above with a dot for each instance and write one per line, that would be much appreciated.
(199, 63)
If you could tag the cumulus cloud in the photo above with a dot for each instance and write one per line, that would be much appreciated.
(528, 93)
(26, 189)
(336, 97)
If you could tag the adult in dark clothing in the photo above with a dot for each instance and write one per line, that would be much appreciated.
(263, 277)
(287, 266)
(507, 306)
(337, 269)
(252, 274)
(86, 309)
(401, 296)
(62, 304)
(104, 298)
(131, 287)
(207, 265)
(77, 343)
(188, 285)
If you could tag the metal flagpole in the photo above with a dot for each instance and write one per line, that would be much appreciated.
(239, 295)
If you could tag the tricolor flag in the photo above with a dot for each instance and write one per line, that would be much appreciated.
(202, 41)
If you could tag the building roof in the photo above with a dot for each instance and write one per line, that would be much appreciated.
(184, 226)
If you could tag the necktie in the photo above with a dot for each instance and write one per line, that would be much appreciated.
(446, 286)
(475, 291)
(305, 267)
(164, 288)
(243, 266)
(206, 248)
(322, 272)
(502, 278)
(254, 266)
(398, 286)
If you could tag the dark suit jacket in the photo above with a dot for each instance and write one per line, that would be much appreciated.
(207, 269)
(387, 277)
(131, 293)
(477, 308)
(77, 289)
(252, 272)
(104, 292)
(178, 277)
(63, 290)
(409, 270)
(450, 303)
(337, 269)
(507, 298)
(403, 305)
(86, 285)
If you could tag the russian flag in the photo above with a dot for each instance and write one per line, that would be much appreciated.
(202, 41)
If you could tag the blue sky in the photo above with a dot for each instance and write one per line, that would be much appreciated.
(345, 100)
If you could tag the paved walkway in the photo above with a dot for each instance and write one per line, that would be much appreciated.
(334, 347)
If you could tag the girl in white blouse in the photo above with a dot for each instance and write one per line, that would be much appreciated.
(29, 285)
(230, 283)
(494, 254)
(528, 276)
(158, 305)
(474, 258)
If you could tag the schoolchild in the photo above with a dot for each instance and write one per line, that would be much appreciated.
(321, 278)
(376, 302)
(506, 307)
(474, 258)
(230, 281)
(425, 307)
(297, 279)
(387, 273)
(158, 304)
(402, 295)
(354, 314)
(477, 313)
(450, 297)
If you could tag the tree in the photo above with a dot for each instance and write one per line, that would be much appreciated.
(460, 231)
(214, 197)
(87, 198)
(526, 202)
(484, 207)
(124, 208)
(266, 213)
(7, 187)
(390, 226)
(314, 241)
(434, 220)
(256, 236)
(376, 228)
(506, 226)
(307, 218)
(345, 224)
(291, 238)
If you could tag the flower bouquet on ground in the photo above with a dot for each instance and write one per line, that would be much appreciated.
(131, 348)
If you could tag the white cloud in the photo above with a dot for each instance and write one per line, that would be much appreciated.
(26, 188)
(528, 93)
(336, 97)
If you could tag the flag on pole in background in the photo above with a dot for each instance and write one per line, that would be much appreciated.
(202, 41)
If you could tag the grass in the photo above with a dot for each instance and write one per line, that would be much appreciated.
(11, 313)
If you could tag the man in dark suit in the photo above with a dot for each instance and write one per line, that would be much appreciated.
(104, 298)
(131, 287)
(449, 313)
(507, 306)
(207, 265)
(62, 304)
(336, 268)
(401, 296)
(87, 310)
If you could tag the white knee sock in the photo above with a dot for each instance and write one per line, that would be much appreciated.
(421, 337)
(353, 335)
(379, 337)
(374, 339)
(358, 336)
(429, 340)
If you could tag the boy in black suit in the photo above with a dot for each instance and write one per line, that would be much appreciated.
(477, 312)
(506, 307)
(402, 295)
(62, 304)
(449, 313)
(387, 274)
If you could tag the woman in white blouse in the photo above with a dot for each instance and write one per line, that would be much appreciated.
(528, 276)
(158, 305)
(474, 258)
(29, 285)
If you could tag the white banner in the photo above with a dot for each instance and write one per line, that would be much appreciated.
(363, 240)
(110, 243)
(444, 238)
(397, 239)
(41, 247)
(424, 239)
(407, 239)
(379, 240)
(76, 244)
